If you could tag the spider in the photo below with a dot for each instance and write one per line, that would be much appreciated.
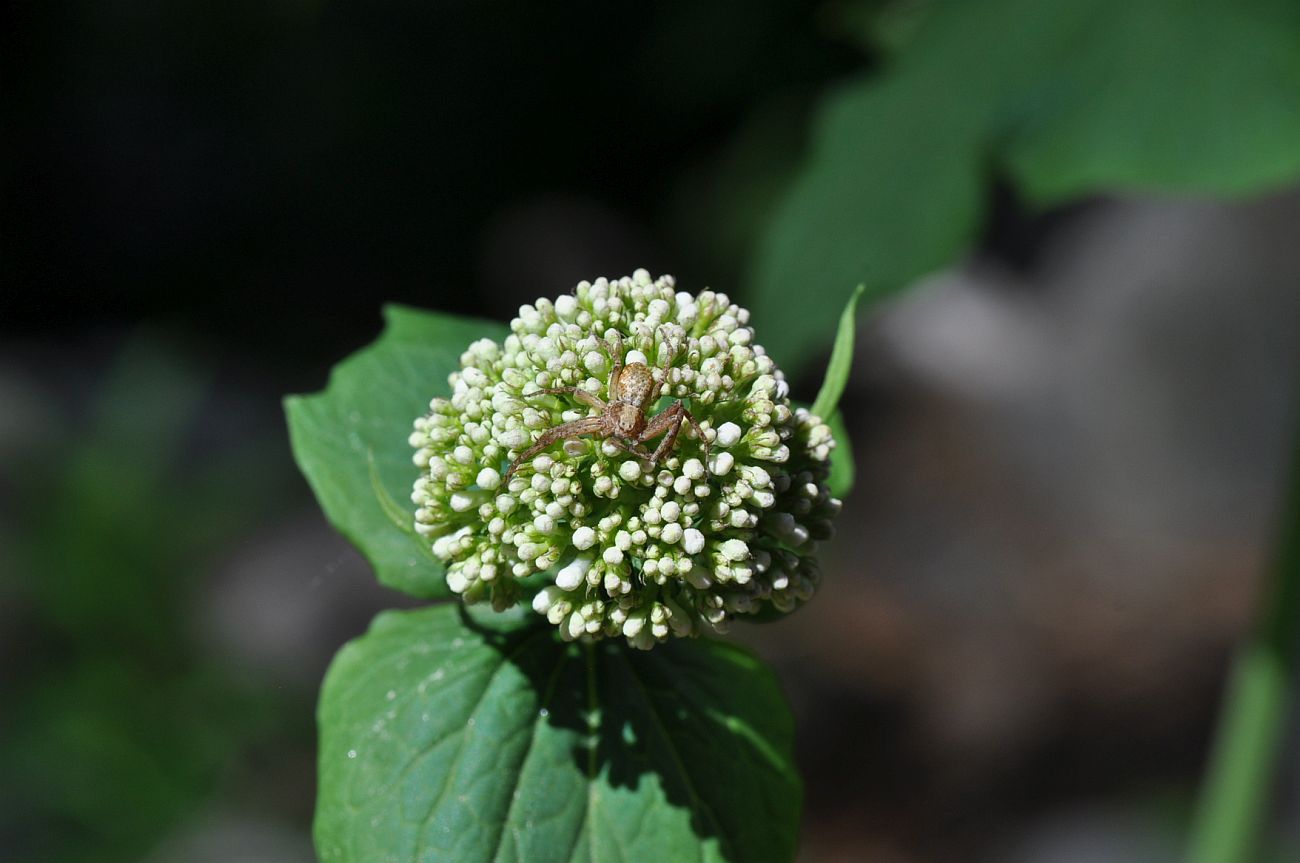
(622, 420)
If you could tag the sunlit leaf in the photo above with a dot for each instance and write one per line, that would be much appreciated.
(445, 740)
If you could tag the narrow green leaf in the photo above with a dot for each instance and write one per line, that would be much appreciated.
(350, 439)
(1255, 718)
(445, 740)
(843, 469)
(841, 361)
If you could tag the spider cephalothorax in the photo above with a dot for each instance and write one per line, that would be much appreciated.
(632, 388)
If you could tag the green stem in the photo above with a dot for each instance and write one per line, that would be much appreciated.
(1235, 796)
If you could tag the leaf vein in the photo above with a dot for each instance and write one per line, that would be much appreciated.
(523, 762)
(698, 804)
(447, 781)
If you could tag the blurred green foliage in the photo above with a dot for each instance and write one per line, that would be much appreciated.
(1064, 99)
(118, 722)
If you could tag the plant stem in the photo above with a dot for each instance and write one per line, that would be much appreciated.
(1235, 794)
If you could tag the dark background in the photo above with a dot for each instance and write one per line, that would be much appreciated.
(1069, 442)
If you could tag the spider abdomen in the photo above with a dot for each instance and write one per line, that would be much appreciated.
(633, 386)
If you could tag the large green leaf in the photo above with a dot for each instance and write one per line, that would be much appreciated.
(1068, 98)
(350, 439)
(443, 739)
(1199, 98)
(874, 205)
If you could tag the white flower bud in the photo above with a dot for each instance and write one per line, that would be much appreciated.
(544, 599)
(569, 577)
(584, 537)
(514, 439)
(721, 463)
(728, 434)
(566, 306)
(734, 549)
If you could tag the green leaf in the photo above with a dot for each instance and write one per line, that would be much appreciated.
(875, 205)
(1194, 98)
(444, 740)
(841, 361)
(843, 470)
(1068, 98)
(350, 439)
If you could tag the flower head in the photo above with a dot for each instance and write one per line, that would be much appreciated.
(712, 532)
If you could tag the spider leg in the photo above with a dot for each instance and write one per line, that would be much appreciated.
(577, 392)
(669, 423)
(673, 349)
(634, 448)
(588, 425)
(615, 352)
(660, 372)
(699, 433)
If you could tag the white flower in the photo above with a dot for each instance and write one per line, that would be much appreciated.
(705, 537)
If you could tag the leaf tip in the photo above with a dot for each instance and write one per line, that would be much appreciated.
(837, 369)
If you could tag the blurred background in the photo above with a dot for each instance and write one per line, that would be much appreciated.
(1071, 412)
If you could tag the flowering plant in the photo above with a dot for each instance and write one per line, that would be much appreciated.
(723, 527)
(516, 723)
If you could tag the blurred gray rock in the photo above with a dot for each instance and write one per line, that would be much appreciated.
(1093, 836)
(224, 837)
(285, 601)
(1146, 377)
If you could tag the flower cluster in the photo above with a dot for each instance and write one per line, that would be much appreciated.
(610, 548)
